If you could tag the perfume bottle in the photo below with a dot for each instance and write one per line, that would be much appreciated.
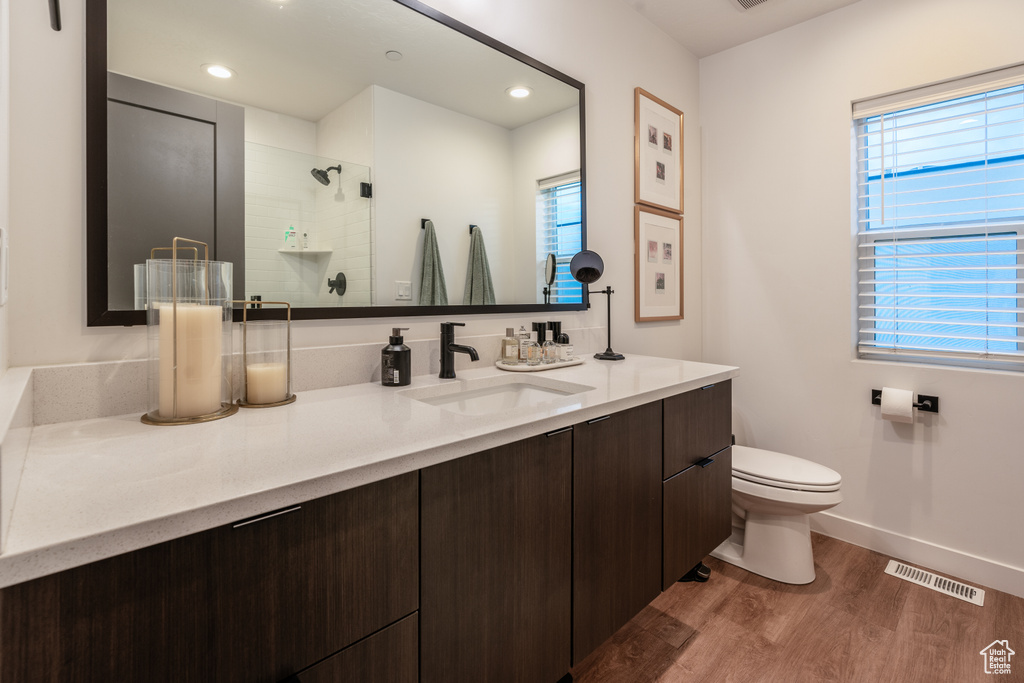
(510, 348)
(533, 354)
(549, 352)
(524, 339)
(565, 348)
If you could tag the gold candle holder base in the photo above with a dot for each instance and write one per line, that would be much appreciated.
(225, 410)
(243, 404)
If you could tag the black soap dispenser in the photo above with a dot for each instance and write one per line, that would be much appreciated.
(396, 361)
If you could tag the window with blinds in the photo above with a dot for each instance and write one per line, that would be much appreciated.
(940, 223)
(559, 231)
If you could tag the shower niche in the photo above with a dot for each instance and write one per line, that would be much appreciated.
(306, 222)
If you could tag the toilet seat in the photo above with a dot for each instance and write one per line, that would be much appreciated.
(782, 471)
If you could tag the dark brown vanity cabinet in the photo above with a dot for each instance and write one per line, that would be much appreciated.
(698, 477)
(616, 522)
(496, 564)
(253, 602)
(388, 656)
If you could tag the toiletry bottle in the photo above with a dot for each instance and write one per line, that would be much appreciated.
(289, 238)
(565, 350)
(532, 350)
(556, 353)
(396, 361)
(305, 242)
(510, 347)
(523, 337)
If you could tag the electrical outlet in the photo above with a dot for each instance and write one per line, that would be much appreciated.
(403, 291)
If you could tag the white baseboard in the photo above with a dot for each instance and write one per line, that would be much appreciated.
(946, 561)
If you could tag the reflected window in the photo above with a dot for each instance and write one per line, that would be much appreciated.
(559, 215)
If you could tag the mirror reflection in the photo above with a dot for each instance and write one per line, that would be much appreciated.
(359, 121)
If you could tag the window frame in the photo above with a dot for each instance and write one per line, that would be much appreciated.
(867, 240)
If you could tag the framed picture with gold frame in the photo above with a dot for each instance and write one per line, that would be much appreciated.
(658, 142)
(658, 264)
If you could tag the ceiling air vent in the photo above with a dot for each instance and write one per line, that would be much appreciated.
(747, 4)
(936, 582)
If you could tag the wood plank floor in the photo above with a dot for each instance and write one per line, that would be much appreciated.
(854, 623)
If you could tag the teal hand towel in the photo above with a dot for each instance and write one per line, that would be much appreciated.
(479, 288)
(433, 291)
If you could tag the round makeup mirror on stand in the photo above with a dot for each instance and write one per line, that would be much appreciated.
(587, 267)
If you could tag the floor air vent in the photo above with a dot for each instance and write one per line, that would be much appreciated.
(936, 582)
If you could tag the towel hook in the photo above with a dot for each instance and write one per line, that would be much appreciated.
(471, 226)
(423, 223)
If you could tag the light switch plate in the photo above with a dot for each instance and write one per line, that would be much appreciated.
(403, 291)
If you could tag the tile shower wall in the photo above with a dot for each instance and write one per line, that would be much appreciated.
(280, 193)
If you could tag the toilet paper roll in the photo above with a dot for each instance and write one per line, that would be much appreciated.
(897, 405)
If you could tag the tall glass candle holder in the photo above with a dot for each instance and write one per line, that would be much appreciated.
(188, 319)
(266, 359)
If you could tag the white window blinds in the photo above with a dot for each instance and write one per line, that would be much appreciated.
(559, 217)
(940, 223)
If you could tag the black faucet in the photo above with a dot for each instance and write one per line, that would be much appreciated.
(449, 348)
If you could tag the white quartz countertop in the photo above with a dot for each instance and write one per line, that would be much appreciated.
(96, 488)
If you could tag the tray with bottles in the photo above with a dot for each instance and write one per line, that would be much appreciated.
(523, 367)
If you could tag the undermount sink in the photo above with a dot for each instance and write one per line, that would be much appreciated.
(490, 395)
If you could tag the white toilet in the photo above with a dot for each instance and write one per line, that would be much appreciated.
(773, 495)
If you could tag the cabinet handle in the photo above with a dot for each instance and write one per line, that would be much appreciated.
(710, 386)
(598, 419)
(705, 462)
(559, 431)
(246, 522)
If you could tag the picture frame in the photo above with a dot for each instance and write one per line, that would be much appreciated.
(658, 144)
(658, 283)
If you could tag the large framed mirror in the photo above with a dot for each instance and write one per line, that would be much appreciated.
(354, 142)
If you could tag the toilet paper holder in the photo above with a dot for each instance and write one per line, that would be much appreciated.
(926, 404)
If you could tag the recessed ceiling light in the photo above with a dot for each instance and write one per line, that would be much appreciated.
(519, 91)
(393, 55)
(218, 71)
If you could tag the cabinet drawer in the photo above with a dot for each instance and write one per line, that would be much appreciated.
(289, 590)
(388, 656)
(698, 424)
(697, 514)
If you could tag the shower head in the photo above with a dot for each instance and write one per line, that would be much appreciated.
(321, 174)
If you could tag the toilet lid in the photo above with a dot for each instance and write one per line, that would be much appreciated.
(782, 471)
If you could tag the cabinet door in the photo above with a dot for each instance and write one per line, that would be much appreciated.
(388, 656)
(495, 603)
(616, 522)
(698, 514)
(135, 617)
(697, 424)
(291, 589)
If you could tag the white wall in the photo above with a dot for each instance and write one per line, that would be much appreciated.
(541, 149)
(944, 492)
(603, 43)
(420, 176)
(5, 156)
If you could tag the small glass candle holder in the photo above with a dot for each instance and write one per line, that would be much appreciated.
(188, 320)
(266, 359)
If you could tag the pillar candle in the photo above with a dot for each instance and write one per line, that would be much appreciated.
(266, 382)
(198, 331)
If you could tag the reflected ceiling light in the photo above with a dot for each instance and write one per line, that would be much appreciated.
(218, 71)
(519, 91)
(393, 55)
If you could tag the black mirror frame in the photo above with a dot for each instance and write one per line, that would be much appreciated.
(97, 313)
